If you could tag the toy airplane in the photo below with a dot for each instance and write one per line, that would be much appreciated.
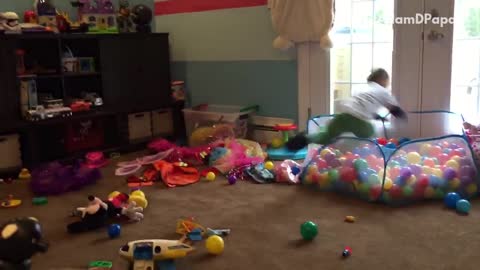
(144, 254)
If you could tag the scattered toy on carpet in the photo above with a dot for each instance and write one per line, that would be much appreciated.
(98, 212)
(20, 239)
(114, 230)
(308, 230)
(55, 178)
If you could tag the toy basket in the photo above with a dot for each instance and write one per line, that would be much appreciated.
(208, 115)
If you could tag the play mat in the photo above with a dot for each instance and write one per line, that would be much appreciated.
(402, 171)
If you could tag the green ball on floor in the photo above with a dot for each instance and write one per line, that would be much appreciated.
(309, 230)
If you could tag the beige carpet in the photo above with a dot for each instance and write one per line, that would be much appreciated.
(265, 221)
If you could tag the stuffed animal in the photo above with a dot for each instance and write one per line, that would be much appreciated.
(98, 212)
(302, 21)
(20, 239)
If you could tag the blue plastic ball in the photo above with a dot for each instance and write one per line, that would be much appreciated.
(114, 230)
(463, 206)
(451, 200)
(391, 145)
(403, 140)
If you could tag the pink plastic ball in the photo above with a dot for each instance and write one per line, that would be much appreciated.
(435, 151)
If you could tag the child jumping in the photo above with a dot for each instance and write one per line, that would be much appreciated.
(355, 113)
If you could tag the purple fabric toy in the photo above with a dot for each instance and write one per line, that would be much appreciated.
(55, 178)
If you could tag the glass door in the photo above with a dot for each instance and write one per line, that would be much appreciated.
(465, 90)
(363, 38)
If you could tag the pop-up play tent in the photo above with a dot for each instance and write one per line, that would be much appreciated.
(402, 171)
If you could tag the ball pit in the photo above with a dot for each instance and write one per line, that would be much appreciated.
(415, 170)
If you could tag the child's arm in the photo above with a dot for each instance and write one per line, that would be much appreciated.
(389, 102)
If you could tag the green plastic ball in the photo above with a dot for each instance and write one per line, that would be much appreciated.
(333, 175)
(360, 164)
(309, 230)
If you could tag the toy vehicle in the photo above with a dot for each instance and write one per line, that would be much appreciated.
(144, 254)
(40, 113)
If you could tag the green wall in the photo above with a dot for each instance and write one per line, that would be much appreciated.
(226, 57)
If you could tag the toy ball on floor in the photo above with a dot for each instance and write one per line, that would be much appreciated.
(308, 230)
(269, 165)
(210, 176)
(463, 206)
(451, 200)
(215, 245)
(232, 180)
(114, 230)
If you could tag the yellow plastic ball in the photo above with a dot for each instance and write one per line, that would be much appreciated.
(381, 173)
(388, 184)
(215, 245)
(324, 152)
(414, 158)
(412, 180)
(425, 148)
(454, 184)
(277, 143)
(269, 165)
(210, 176)
(437, 173)
(452, 164)
(138, 193)
(427, 170)
(113, 194)
(472, 188)
(456, 158)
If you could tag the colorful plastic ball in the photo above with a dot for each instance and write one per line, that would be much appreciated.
(435, 151)
(215, 245)
(391, 145)
(210, 176)
(407, 191)
(395, 192)
(375, 192)
(429, 162)
(423, 180)
(325, 151)
(472, 189)
(414, 158)
(360, 164)
(370, 171)
(333, 175)
(373, 179)
(451, 200)
(454, 184)
(114, 230)
(463, 206)
(394, 163)
(425, 148)
(387, 184)
(452, 164)
(329, 157)
(435, 181)
(449, 174)
(393, 140)
(382, 141)
(439, 194)
(362, 176)
(415, 169)
(405, 173)
(335, 163)
(347, 174)
(308, 230)
(232, 180)
(277, 143)
(269, 165)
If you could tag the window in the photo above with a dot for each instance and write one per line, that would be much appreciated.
(465, 91)
(363, 40)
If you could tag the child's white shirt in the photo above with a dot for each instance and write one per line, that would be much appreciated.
(366, 104)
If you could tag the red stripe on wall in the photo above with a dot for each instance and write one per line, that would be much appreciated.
(187, 6)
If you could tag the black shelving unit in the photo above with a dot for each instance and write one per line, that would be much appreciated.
(131, 74)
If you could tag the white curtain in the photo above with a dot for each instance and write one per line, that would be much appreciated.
(302, 21)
